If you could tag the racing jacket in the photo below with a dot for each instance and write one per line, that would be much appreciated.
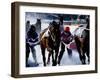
(66, 37)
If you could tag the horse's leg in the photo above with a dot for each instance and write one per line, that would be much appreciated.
(86, 46)
(83, 57)
(78, 44)
(88, 49)
(87, 53)
(56, 54)
(43, 55)
(85, 50)
(48, 61)
(61, 53)
(27, 53)
(51, 52)
(82, 54)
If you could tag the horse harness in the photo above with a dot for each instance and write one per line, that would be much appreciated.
(47, 34)
(79, 31)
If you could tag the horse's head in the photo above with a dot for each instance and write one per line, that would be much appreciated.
(54, 31)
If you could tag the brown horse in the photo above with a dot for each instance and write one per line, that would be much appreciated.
(82, 44)
(50, 42)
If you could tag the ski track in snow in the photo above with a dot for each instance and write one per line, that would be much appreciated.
(65, 61)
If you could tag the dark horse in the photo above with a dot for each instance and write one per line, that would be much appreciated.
(50, 42)
(83, 45)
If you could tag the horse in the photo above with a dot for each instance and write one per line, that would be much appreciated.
(82, 44)
(50, 42)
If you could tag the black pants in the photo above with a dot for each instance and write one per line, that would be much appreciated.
(62, 52)
(28, 48)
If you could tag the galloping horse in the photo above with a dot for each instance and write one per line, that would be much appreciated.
(51, 42)
(82, 44)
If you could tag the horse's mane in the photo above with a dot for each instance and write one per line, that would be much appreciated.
(41, 34)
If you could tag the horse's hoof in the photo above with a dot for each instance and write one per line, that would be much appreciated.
(83, 63)
(44, 64)
(59, 63)
(88, 61)
(54, 64)
(48, 63)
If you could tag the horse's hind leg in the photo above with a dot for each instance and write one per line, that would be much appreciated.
(43, 56)
(83, 59)
(48, 61)
(87, 53)
(80, 51)
(83, 51)
(56, 55)
(51, 52)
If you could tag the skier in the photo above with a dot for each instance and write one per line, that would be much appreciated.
(66, 38)
(31, 41)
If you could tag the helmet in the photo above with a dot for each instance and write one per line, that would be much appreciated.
(67, 29)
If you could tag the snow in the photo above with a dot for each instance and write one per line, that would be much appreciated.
(66, 59)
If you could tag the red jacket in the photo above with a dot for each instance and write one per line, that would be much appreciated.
(66, 37)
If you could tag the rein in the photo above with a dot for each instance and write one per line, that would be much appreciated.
(51, 36)
(86, 29)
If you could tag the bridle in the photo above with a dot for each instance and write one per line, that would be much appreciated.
(51, 35)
